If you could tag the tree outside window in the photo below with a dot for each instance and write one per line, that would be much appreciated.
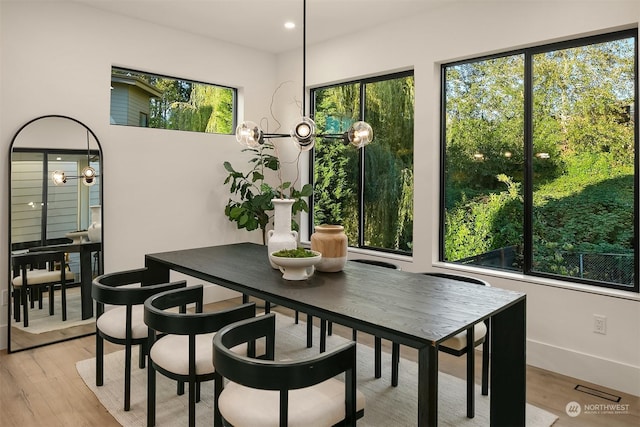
(150, 100)
(540, 169)
(368, 191)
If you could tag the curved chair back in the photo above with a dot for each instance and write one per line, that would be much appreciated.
(266, 374)
(37, 270)
(123, 325)
(179, 345)
(183, 323)
(378, 263)
(459, 277)
(113, 289)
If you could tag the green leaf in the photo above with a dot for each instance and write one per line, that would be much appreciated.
(228, 167)
(307, 190)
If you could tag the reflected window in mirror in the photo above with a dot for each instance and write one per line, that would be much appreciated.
(43, 213)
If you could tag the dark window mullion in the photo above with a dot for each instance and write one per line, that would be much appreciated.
(443, 153)
(528, 163)
(45, 198)
(361, 175)
(636, 214)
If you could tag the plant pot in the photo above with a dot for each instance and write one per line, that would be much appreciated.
(281, 237)
(296, 268)
(331, 242)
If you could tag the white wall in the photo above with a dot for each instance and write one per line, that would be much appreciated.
(560, 316)
(163, 190)
(57, 59)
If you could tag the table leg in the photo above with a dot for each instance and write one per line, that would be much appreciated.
(323, 335)
(309, 331)
(85, 284)
(156, 272)
(508, 366)
(428, 386)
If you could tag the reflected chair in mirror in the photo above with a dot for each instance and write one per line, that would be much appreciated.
(457, 346)
(180, 342)
(264, 392)
(120, 298)
(35, 272)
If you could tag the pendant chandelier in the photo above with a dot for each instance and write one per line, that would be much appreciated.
(303, 133)
(88, 174)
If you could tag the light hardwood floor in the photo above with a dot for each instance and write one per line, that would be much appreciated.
(41, 387)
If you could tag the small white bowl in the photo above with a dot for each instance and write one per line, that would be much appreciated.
(296, 268)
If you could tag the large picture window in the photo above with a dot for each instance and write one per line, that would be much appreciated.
(150, 100)
(369, 191)
(540, 161)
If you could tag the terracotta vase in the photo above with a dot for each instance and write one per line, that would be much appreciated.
(331, 241)
(281, 237)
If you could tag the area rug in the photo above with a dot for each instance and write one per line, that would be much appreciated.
(385, 405)
(40, 321)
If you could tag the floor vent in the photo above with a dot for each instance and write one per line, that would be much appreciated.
(598, 393)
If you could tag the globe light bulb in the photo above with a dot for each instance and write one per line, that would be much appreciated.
(304, 134)
(88, 176)
(58, 177)
(249, 134)
(360, 134)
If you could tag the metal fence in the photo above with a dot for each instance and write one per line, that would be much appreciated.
(612, 268)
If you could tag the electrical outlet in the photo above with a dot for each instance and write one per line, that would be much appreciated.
(599, 324)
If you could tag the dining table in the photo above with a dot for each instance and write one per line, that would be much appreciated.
(407, 308)
(85, 249)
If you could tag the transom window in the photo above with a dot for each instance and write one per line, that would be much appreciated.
(540, 161)
(150, 100)
(369, 191)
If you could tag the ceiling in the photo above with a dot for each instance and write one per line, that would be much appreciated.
(259, 24)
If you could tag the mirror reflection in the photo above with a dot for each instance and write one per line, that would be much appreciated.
(55, 231)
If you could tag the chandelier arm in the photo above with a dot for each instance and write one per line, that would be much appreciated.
(275, 135)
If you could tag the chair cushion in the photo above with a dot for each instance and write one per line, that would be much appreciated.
(171, 352)
(113, 322)
(318, 405)
(459, 342)
(41, 276)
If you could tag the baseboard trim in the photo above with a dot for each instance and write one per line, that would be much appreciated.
(608, 373)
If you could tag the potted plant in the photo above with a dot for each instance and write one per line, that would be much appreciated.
(250, 205)
(296, 264)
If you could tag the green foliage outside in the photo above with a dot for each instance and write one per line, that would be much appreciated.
(583, 165)
(388, 163)
(188, 106)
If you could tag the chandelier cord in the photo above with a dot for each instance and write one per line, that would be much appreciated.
(304, 56)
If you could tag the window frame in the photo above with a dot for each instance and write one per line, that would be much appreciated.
(363, 82)
(528, 208)
(234, 104)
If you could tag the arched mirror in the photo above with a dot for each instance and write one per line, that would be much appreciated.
(55, 197)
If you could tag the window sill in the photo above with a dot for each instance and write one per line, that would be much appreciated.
(578, 287)
(371, 253)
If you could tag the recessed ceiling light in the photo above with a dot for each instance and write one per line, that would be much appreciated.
(289, 25)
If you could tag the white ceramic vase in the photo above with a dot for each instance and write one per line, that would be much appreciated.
(94, 232)
(281, 237)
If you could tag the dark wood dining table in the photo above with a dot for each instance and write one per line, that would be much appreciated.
(85, 249)
(411, 309)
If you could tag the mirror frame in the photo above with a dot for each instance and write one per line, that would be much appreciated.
(9, 240)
